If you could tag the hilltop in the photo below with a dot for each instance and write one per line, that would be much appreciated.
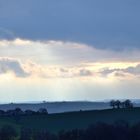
(60, 107)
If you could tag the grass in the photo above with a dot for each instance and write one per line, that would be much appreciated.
(72, 120)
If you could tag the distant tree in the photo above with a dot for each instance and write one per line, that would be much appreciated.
(44, 102)
(112, 103)
(17, 114)
(18, 111)
(122, 105)
(29, 112)
(128, 104)
(118, 104)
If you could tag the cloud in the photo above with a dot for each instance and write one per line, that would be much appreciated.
(76, 71)
(12, 65)
(84, 72)
(29, 69)
(59, 59)
(61, 52)
(96, 22)
(133, 70)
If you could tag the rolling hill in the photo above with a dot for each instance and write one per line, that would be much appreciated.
(72, 120)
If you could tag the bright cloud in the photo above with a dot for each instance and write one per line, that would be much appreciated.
(57, 59)
(66, 70)
(59, 52)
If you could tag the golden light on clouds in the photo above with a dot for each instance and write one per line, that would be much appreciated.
(65, 69)
(57, 59)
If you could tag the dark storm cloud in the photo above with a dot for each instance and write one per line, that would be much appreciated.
(102, 23)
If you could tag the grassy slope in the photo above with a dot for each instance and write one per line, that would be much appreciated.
(57, 122)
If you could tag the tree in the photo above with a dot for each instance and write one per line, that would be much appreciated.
(18, 111)
(29, 112)
(122, 104)
(112, 103)
(118, 103)
(17, 114)
(128, 104)
(125, 104)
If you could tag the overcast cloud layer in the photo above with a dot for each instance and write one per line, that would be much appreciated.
(103, 24)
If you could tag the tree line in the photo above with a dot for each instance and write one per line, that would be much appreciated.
(120, 130)
(121, 104)
(18, 111)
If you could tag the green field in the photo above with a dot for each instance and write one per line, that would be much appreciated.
(71, 120)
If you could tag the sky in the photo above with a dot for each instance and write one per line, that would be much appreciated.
(69, 50)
